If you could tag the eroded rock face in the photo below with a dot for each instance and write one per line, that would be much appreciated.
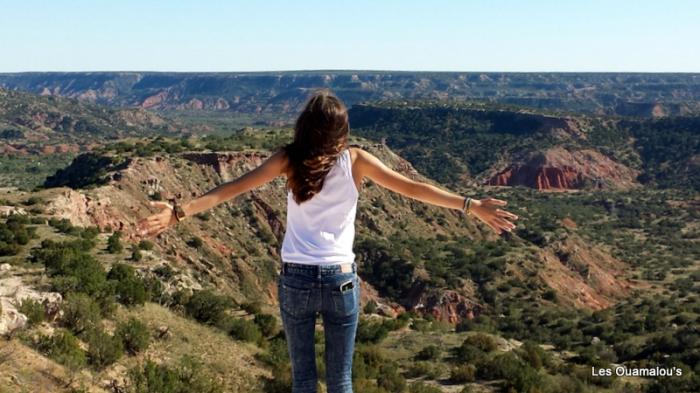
(6, 211)
(446, 305)
(584, 276)
(12, 292)
(558, 168)
(225, 164)
(155, 100)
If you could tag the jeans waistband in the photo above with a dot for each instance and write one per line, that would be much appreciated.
(318, 270)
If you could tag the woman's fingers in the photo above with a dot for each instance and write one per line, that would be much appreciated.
(491, 224)
(498, 224)
(148, 226)
(154, 230)
(497, 219)
(504, 224)
(494, 202)
(506, 214)
(160, 204)
(156, 218)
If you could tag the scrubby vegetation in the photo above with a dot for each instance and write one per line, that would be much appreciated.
(652, 229)
(134, 335)
(29, 171)
(187, 376)
(86, 170)
(447, 139)
(15, 232)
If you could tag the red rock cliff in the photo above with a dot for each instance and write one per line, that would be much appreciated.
(559, 168)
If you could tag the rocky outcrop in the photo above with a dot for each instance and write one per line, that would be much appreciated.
(13, 291)
(561, 169)
(446, 305)
(154, 101)
(584, 276)
(6, 211)
(226, 164)
(272, 216)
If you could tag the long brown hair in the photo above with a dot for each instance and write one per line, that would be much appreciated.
(320, 135)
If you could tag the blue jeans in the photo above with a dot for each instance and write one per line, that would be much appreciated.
(305, 291)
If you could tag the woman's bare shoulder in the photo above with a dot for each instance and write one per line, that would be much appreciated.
(357, 152)
(278, 160)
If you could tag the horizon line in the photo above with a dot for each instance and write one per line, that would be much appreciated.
(331, 70)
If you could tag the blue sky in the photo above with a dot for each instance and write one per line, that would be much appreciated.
(267, 35)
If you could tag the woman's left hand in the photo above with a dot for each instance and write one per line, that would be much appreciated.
(157, 223)
(489, 211)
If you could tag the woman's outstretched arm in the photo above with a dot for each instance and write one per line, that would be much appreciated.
(487, 210)
(266, 172)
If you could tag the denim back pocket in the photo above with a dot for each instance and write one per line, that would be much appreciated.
(293, 298)
(347, 302)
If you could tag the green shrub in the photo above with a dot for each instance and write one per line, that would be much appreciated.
(14, 233)
(281, 381)
(136, 254)
(146, 245)
(422, 369)
(33, 310)
(80, 313)
(251, 307)
(134, 335)
(519, 376)
(267, 324)
(468, 353)
(64, 348)
(114, 243)
(534, 355)
(390, 379)
(205, 216)
(154, 289)
(103, 349)
(164, 271)
(72, 269)
(156, 196)
(370, 307)
(86, 170)
(187, 377)
(463, 374)
(430, 352)
(386, 270)
(207, 307)
(421, 387)
(33, 200)
(128, 287)
(38, 220)
(242, 329)
(367, 361)
(371, 332)
(482, 341)
(550, 295)
(90, 233)
(63, 225)
(195, 242)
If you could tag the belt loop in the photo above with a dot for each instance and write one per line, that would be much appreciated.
(318, 272)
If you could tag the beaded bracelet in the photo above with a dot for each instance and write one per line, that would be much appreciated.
(467, 205)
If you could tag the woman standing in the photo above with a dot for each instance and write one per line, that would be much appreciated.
(319, 274)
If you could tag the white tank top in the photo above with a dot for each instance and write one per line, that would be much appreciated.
(321, 230)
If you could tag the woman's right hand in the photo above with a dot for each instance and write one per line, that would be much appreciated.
(157, 223)
(489, 211)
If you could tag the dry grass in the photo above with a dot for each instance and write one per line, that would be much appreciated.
(232, 361)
